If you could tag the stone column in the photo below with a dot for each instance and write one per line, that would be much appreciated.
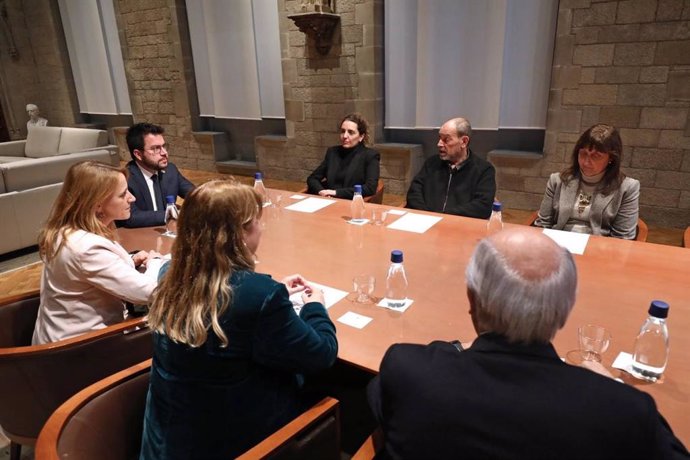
(320, 89)
(38, 69)
(624, 63)
(160, 75)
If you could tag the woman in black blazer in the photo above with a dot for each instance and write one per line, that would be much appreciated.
(347, 164)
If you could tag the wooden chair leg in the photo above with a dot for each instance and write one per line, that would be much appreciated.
(15, 450)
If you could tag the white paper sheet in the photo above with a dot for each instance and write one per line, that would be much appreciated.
(417, 223)
(576, 243)
(354, 319)
(153, 266)
(396, 212)
(384, 303)
(358, 222)
(311, 204)
(297, 197)
(623, 362)
(331, 296)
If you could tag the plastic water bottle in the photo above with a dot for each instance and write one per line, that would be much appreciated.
(357, 205)
(651, 346)
(171, 214)
(261, 189)
(396, 282)
(495, 223)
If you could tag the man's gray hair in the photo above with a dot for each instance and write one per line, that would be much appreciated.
(31, 107)
(522, 310)
(463, 127)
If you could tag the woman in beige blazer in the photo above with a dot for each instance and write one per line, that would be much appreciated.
(87, 276)
(593, 195)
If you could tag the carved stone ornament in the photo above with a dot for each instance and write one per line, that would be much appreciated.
(319, 27)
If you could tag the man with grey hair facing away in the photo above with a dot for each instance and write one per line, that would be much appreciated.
(456, 181)
(509, 395)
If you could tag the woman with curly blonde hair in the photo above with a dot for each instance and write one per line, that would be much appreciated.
(229, 349)
(87, 276)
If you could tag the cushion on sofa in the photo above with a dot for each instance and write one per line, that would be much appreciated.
(32, 208)
(9, 226)
(13, 149)
(35, 172)
(42, 141)
(11, 159)
(78, 139)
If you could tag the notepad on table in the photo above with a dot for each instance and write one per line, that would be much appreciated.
(331, 296)
(311, 204)
(417, 223)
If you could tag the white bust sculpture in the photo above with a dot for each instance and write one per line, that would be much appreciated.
(34, 116)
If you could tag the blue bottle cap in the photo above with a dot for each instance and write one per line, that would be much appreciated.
(170, 199)
(396, 256)
(257, 176)
(658, 309)
(496, 206)
(358, 189)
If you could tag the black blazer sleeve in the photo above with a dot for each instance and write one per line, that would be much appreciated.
(315, 179)
(415, 194)
(184, 185)
(142, 213)
(364, 170)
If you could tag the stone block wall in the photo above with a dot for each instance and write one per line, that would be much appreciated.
(399, 164)
(320, 89)
(160, 75)
(626, 63)
(271, 156)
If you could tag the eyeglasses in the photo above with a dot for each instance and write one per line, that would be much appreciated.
(592, 155)
(158, 149)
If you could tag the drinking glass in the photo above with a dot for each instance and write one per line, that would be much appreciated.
(378, 216)
(594, 341)
(364, 288)
(278, 200)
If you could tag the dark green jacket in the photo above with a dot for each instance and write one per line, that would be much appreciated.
(213, 402)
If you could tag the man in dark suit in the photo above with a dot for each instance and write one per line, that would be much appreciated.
(509, 395)
(151, 176)
(456, 181)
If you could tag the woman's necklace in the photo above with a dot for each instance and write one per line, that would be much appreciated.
(583, 200)
(588, 185)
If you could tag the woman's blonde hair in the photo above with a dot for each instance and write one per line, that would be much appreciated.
(196, 291)
(87, 185)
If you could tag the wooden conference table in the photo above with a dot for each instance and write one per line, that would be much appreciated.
(617, 281)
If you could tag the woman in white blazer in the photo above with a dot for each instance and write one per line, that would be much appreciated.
(593, 195)
(87, 276)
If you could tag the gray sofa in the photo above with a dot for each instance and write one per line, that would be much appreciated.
(31, 175)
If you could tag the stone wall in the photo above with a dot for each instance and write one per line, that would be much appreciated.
(320, 89)
(160, 74)
(626, 63)
(39, 72)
